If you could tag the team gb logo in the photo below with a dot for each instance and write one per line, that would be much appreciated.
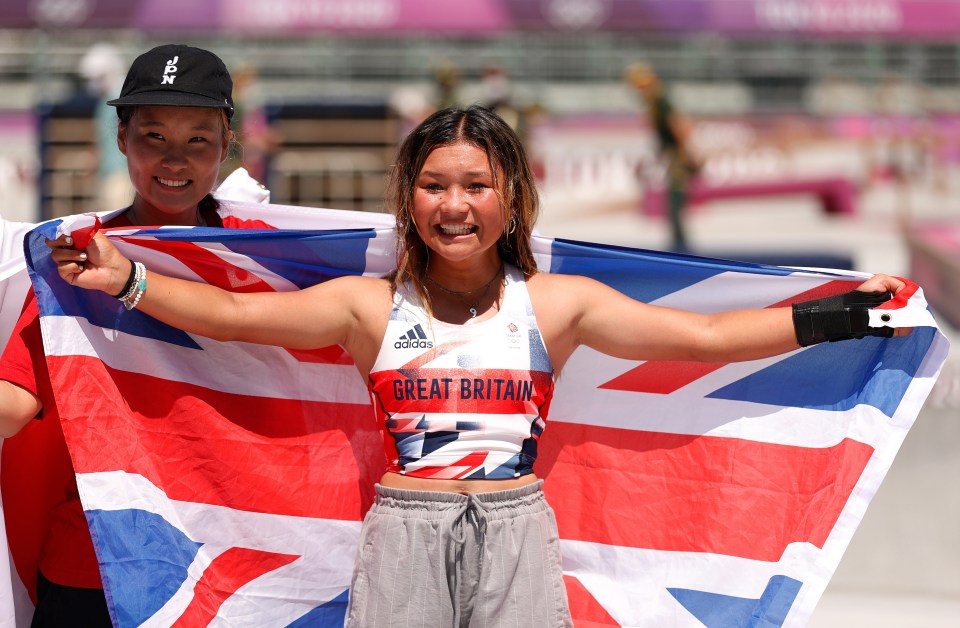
(170, 72)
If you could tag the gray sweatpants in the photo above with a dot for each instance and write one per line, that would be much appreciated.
(436, 559)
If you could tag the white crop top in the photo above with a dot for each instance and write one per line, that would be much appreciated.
(462, 401)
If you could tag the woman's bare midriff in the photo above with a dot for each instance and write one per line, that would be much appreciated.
(397, 480)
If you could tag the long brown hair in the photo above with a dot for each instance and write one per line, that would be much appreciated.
(513, 180)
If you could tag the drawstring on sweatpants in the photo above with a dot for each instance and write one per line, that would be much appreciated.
(471, 514)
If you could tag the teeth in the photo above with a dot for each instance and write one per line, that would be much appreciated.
(172, 182)
(456, 229)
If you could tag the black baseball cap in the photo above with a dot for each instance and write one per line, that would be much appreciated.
(179, 76)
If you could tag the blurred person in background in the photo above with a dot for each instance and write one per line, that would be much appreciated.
(446, 78)
(255, 138)
(172, 121)
(102, 69)
(496, 94)
(672, 130)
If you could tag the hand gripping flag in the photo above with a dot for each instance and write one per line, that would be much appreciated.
(225, 482)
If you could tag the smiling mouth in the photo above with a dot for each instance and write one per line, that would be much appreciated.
(456, 229)
(173, 183)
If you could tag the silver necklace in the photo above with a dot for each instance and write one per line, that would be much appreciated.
(462, 294)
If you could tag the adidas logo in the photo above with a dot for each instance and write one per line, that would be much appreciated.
(413, 339)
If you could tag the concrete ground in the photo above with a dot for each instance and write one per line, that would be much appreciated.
(902, 568)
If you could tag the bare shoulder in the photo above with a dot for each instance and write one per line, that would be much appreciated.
(555, 281)
(565, 288)
(559, 302)
(571, 297)
(562, 298)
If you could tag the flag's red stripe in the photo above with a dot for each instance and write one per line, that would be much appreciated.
(661, 376)
(901, 298)
(828, 289)
(664, 376)
(208, 266)
(584, 608)
(333, 354)
(232, 222)
(291, 457)
(221, 579)
(695, 493)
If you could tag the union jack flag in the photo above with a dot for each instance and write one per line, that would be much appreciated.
(224, 482)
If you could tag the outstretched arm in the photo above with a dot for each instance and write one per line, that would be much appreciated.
(319, 316)
(586, 312)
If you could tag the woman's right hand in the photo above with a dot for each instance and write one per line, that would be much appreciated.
(98, 267)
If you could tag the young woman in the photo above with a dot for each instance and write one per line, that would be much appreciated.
(460, 347)
(173, 126)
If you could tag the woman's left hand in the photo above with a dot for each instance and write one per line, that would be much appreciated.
(882, 283)
(100, 266)
(886, 283)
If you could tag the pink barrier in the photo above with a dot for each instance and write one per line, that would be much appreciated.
(846, 20)
(935, 264)
(837, 195)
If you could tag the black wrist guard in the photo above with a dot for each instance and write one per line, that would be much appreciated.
(840, 317)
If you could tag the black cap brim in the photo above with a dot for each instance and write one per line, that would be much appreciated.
(169, 98)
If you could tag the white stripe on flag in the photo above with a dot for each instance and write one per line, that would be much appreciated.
(578, 399)
(734, 290)
(224, 369)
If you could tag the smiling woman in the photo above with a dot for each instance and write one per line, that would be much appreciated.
(462, 185)
(173, 157)
(174, 114)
